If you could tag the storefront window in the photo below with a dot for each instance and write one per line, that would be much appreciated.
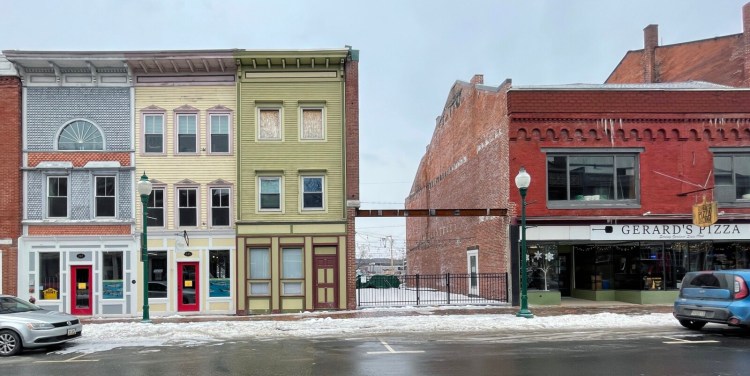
(157, 270)
(49, 275)
(112, 283)
(219, 270)
(543, 267)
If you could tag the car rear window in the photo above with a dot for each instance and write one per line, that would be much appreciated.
(708, 280)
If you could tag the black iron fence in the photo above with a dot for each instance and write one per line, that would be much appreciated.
(433, 289)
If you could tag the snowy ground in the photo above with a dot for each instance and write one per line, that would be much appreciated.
(106, 336)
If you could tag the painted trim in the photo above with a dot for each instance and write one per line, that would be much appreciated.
(301, 198)
(176, 131)
(142, 131)
(324, 114)
(177, 188)
(269, 107)
(209, 205)
(230, 136)
(66, 124)
(258, 209)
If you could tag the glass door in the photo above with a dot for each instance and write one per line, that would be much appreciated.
(80, 285)
(188, 283)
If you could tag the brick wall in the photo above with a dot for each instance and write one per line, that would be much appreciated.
(79, 230)
(351, 109)
(10, 184)
(463, 167)
(675, 139)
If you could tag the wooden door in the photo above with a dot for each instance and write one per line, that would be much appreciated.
(325, 285)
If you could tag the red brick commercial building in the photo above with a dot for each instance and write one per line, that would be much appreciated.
(10, 170)
(615, 172)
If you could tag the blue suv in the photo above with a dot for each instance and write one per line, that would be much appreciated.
(720, 296)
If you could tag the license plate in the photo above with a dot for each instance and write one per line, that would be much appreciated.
(699, 313)
(71, 331)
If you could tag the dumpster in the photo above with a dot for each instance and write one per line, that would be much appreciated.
(383, 282)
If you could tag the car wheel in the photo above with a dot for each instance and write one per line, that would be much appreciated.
(693, 324)
(10, 343)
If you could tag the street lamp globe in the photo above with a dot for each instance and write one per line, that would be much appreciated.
(523, 179)
(145, 187)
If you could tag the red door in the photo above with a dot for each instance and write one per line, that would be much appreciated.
(325, 290)
(188, 283)
(81, 291)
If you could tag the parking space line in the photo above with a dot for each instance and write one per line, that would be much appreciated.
(679, 341)
(71, 360)
(392, 351)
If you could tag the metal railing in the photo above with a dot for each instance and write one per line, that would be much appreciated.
(434, 289)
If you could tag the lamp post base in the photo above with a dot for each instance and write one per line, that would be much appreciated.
(525, 313)
(145, 321)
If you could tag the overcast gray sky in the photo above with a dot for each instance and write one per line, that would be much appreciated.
(411, 53)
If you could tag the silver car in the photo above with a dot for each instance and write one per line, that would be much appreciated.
(24, 325)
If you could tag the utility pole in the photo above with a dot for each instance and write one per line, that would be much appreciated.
(389, 240)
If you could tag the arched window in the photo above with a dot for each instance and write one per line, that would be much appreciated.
(80, 135)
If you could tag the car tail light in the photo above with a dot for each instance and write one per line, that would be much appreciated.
(740, 288)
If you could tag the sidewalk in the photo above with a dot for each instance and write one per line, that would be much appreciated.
(569, 306)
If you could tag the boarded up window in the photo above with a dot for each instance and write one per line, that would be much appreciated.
(269, 127)
(312, 124)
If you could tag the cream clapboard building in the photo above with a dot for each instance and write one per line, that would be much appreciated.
(185, 143)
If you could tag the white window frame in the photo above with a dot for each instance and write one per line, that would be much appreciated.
(322, 193)
(144, 142)
(94, 126)
(209, 132)
(177, 116)
(322, 110)
(47, 196)
(178, 207)
(96, 196)
(260, 193)
(164, 201)
(210, 206)
(258, 123)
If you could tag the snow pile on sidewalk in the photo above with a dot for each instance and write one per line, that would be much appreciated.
(102, 337)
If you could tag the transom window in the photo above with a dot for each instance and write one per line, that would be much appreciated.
(220, 206)
(590, 179)
(270, 193)
(57, 196)
(269, 124)
(312, 192)
(732, 178)
(187, 136)
(155, 215)
(312, 126)
(80, 135)
(187, 207)
(219, 133)
(153, 125)
(105, 196)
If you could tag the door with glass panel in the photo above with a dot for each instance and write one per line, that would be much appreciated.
(80, 285)
(325, 282)
(188, 282)
(472, 265)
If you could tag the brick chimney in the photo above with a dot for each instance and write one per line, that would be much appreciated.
(746, 42)
(650, 42)
(478, 79)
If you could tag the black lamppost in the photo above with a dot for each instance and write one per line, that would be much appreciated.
(523, 180)
(144, 189)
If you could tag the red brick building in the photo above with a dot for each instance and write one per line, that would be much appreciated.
(464, 167)
(615, 172)
(721, 60)
(10, 170)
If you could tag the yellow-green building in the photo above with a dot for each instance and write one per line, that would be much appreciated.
(185, 142)
(297, 179)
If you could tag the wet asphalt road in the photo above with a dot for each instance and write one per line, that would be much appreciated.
(715, 351)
